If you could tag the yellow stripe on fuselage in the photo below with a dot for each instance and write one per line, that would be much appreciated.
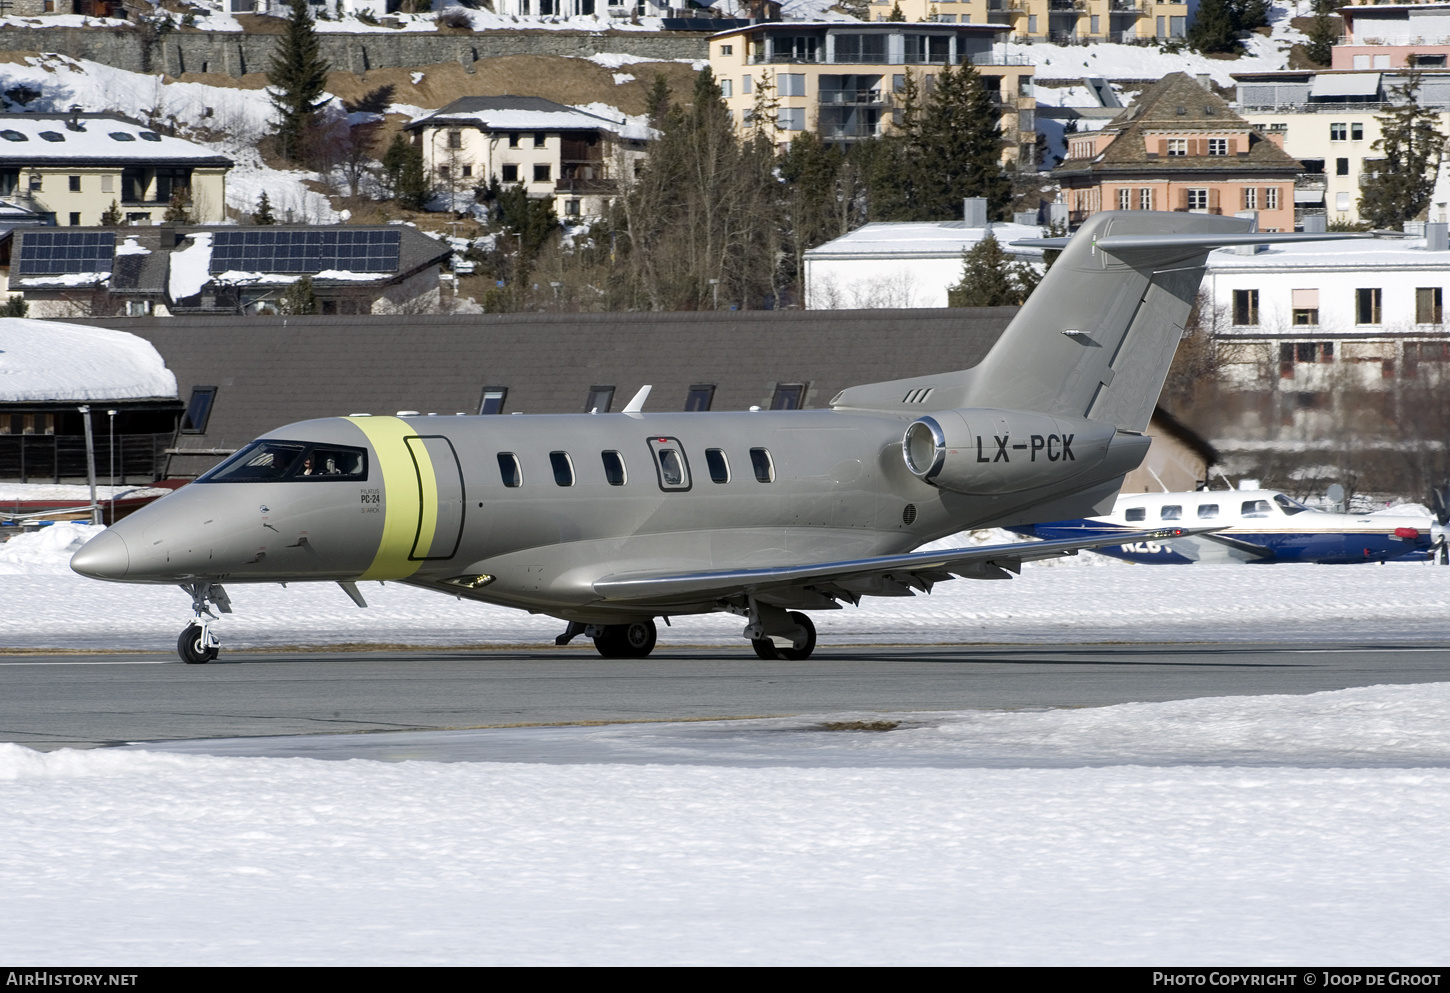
(404, 502)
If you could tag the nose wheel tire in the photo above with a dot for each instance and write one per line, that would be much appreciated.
(191, 648)
(626, 641)
(800, 648)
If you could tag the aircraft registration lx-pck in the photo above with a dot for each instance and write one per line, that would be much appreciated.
(609, 521)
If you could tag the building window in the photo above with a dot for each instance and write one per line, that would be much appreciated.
(1339, 132)
(539, 139)
(1367, 306)
(1246, 308)
(1218, 146)
(600, 399)
(442, 172)
(1341, 201)
(1145, 199)
(727, 88)
(1271, 198)
(542, 172)
(1251, 198)
(198, 410)
(571, 208)
(1356, 131)
(1305, 307)
(1125, 199)
(702, 395)
(108, 184)
(138, 308)
(467, 171)
(75, 184)
(1197, 198)
(513, 139)
(791, 84)
(75, 218)
(35, 182)
(510, 174)
(788, 396)
(1341, 167)
(1177, 146)
(492, 400)
(727, 49)
(1428, 305)
(791, 118)
(745, 85)
(455, 139)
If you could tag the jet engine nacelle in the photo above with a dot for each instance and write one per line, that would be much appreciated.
(982, 450)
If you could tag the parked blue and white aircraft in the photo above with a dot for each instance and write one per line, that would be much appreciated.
(1258, 526)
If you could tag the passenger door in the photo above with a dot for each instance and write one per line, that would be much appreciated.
(441, 504)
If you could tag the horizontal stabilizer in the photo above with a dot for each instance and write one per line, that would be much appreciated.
(924, 568)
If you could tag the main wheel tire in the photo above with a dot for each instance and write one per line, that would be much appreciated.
(627, 641)
(189, 646)
(805, 641)
(765, 648)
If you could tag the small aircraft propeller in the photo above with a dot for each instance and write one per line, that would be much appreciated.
(1440, 506)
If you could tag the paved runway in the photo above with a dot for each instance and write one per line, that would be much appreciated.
(50, 701)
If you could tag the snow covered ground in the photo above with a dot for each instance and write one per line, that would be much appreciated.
(1243, 830)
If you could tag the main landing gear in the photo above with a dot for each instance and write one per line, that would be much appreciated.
(794, 646)
(634, 640)
(197, 645)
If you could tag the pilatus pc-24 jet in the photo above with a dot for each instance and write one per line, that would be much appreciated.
(610, 521)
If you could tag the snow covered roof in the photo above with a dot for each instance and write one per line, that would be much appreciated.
(42, 138)
(524, 114)
(1355, 255)
(922, 240)
(44, 361)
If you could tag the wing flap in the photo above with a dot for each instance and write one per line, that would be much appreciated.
(887, 575)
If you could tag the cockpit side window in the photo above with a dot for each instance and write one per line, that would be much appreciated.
(290, 461)
(1256, 508)
(1288, 506)
(1136, 514)
(1173, 512)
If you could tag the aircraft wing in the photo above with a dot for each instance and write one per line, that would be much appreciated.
(886, 575)
(1238, 544)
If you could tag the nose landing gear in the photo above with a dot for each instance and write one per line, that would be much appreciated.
(197, 645)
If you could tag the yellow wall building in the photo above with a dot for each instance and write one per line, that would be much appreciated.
(1054, 20)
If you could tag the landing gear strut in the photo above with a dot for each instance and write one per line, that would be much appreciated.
(197, 645)
(776, 634)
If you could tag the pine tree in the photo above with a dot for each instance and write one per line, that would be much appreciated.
(178, 211)
(297, 74)
(987, 278)
(299, 298)
(403, 174)
(263, 213)
(958, 150)
(896, 14)
(765, 112)
(1215, 29)
(112, 218)
(14, 307)
(1412, 144)
(1323, 33)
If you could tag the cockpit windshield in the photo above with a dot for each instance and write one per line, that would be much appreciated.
(290, 461)
(1288, 506)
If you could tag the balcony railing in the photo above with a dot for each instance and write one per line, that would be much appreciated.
(1128, 7)
(841, 132)
(1066, 6)
(855, 97)
(54, 457)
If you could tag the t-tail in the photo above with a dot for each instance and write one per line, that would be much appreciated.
(1078, 370)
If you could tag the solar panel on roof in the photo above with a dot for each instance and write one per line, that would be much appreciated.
(49, 253)
(305, 251)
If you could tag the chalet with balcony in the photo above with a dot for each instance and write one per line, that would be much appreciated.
(1180, 147)
(570, 156)
(70, 168)
(1062, 21)
(843, 79)
(1394, 36)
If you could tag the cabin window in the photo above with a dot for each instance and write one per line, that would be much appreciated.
(198, 410)
(613, 468)
(563, 468)
(599, 400)
(761, 462)
(1136, 514)
(1207, 510)
(1173, 512)
(674, 471)
(702, 395)
(509, 469)
(1255, 508)
(491, 402)
(719, 465)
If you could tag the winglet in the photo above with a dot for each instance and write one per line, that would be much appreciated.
(637, 404)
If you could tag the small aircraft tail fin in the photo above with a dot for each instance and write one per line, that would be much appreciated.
(1096, 337)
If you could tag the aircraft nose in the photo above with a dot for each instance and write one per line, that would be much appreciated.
(103, 557)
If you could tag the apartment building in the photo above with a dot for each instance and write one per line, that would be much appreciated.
(1063, 21)
(843, 80)
(1394, 36)
(70, 168)
(1329, 120)
(1179, 147)
(570, 156)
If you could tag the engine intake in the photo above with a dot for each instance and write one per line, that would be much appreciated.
(985, 450)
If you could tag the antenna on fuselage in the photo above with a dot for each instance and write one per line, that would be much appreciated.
(637, 404)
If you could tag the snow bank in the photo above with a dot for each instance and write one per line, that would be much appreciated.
(45, 360)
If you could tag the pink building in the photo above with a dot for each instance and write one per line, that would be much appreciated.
(1394, 36)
